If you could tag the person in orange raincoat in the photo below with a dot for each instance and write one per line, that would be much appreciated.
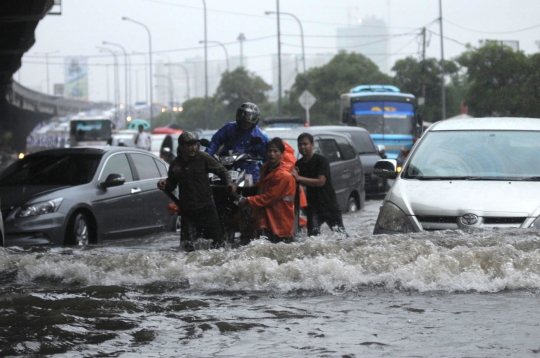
(275, 201)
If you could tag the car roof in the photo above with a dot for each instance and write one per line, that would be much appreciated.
(492, 123)
(336, 129)
(88, 150)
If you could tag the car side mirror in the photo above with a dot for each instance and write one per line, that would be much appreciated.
(204, 142)
(113, 180)
(381, 149)
(386, 168)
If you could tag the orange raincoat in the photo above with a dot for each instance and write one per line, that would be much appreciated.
(275, 202)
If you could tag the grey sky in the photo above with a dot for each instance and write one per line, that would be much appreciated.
(177, 27)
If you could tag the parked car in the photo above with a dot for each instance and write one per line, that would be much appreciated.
(466, 174)
(345, 164)
(77, 196)
(367, 150)
(123, 137)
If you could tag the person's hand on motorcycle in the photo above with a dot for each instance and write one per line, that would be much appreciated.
(162, 184)
(243, 203)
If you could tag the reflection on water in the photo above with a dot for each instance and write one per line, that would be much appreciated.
(326, 296)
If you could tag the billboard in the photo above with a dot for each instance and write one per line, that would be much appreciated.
(76, 78)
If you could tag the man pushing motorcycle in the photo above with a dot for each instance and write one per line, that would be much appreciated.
(189, 172)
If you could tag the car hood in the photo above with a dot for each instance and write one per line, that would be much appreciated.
(457, 198)
(17, 195)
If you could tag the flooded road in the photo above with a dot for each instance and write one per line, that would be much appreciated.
(444, 294)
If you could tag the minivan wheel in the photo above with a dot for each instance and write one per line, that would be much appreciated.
(352, 204)
(79, 231)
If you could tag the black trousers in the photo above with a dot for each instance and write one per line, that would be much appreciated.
(273, 238)
(201, 222)
(318, 216)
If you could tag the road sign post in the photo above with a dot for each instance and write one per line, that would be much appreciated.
(307, 100)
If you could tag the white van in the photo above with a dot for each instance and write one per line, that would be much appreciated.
(466, 174)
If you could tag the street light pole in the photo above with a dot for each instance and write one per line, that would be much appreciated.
(115, 80)
(280, 112)
(126, 79)
(224, 49)
(301, 33)
(241, 38)
(47, 66)
(185, 71)
(171, 94)
(150, 62)
(443, 90)
(205, 70)
(145, 74)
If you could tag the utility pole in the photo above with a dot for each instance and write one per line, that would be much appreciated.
(241, 38)
(424, 64)
(443, 92)
(280, 111)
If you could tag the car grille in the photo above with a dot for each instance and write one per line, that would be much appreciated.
(430, 223)
(367, 179)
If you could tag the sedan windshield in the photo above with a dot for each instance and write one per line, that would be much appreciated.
(476, 155)
(53, 169)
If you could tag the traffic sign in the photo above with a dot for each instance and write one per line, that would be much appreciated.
(307, 100)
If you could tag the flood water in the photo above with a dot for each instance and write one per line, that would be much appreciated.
(436, 294)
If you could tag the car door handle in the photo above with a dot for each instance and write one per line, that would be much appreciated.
(135, 190)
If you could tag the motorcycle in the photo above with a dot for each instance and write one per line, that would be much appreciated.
(234, 220)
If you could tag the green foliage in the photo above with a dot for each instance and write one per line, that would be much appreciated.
(411, 74)
(498, 79)
(327, 83)
(240, 86)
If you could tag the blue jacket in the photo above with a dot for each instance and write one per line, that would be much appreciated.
(237, 140)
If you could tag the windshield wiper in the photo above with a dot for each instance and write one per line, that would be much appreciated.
(537, 178)
(455, 178)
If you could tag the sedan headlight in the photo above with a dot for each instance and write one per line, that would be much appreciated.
(45, 207)
(392, 218)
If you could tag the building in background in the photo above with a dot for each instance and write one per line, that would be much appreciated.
(76, 78)
(369, 38)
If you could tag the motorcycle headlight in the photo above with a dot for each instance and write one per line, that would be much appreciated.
(45, 207)
(392, 218)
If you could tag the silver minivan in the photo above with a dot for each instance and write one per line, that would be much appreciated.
(466, 174)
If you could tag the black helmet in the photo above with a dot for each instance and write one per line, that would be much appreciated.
(248, 112)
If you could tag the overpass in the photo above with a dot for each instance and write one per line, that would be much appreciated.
(21, 109)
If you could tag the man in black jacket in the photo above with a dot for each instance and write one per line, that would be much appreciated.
(189, 172)
(313, 171)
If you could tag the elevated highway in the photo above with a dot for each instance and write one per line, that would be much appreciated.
(21, 109)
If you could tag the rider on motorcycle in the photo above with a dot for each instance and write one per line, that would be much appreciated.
(236, 136)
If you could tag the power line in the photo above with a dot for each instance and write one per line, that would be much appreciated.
(492, 32)
(162, 2)
(448, 38)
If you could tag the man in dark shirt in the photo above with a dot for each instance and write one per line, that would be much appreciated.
(189, 172)
(313, 171)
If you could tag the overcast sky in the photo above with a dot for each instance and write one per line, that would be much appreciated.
(177, 27)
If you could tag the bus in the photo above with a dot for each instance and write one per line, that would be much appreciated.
(90, 131)
(390, 116)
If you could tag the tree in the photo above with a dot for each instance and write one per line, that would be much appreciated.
(240, 86)
(411, 74)
(498, 76)
(327, 83)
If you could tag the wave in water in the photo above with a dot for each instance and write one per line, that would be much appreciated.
(487, 261)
